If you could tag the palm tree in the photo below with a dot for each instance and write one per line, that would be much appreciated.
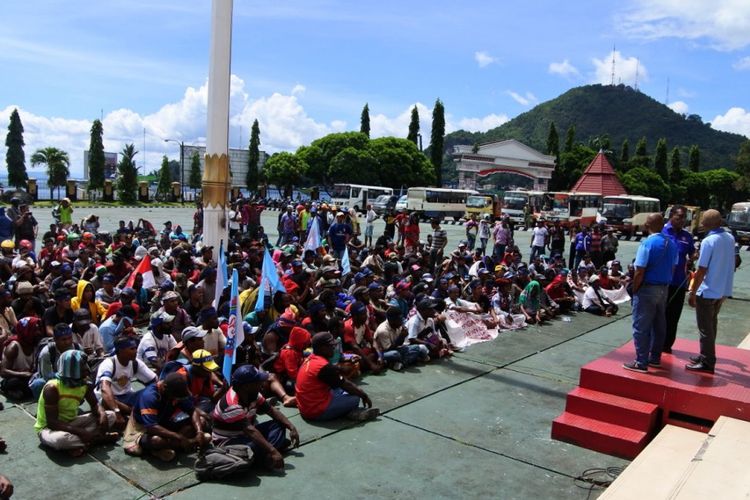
(58, 166)
(127, 178)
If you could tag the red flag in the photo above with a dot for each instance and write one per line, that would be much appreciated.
(144, 269)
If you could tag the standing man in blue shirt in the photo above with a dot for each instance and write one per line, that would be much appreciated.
(338, 236)
(654, 266)
(712, 284)
(674, 229)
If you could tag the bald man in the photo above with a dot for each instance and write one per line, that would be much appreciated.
(654, 266)
(711, 285)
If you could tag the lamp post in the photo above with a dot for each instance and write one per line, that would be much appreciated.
(182, 167)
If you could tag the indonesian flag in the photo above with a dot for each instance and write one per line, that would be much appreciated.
(144, 269)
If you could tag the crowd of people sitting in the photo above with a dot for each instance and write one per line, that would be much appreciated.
(77, 322)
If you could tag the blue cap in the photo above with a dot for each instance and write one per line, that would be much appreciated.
(247, 374)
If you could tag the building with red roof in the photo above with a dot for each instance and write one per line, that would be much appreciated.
(599, 177)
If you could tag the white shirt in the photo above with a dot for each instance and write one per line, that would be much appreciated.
(590, 299)
(371, 216)
(150, 348)
(416, 324)
(120, 376)
(540, 235)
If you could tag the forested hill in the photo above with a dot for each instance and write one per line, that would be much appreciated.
(619, 112)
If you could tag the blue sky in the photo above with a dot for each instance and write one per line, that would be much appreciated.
(306, 68)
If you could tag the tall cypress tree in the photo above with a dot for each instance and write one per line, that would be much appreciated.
(414, 126)
(253, 158)
(96, 157)
(625, 152)
(195, 179)
(165, 179)
(14, 156)
(553, 141)
(660, 159)
(570, 137)
(437, 140)
(675, 172)
(694, 159)
(364, 121)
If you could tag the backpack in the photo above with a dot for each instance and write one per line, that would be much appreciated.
(218, 462)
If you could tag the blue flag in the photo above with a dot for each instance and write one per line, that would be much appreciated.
(221, 275)
(313, 235)
(269, 281)
(235, 334)
(345, 265)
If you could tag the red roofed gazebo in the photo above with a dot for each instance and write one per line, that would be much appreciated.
(599, 177)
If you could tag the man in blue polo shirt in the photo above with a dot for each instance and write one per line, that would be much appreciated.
(674, 229)
(654, 266)
(338, 235)
(711, 285)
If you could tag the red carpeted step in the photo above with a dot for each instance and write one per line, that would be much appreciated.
(600, 436)
(613, 409)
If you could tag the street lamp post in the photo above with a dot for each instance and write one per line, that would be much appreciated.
(182, 167)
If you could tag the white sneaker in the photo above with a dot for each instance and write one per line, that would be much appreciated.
(398, 366)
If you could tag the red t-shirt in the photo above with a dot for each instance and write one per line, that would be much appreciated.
(313, 392)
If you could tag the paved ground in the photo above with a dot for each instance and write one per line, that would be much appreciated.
(476, 426)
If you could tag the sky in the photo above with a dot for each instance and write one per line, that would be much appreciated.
(305, 68)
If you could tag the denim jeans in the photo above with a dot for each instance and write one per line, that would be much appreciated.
(341, 404)
(472, 239)
(649, 322)
(272, 431)
(406, 354)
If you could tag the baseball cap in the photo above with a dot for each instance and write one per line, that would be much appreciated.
(321, 339)
(62, 294)
(24, 288)
(192, 332)
(205, 360)
(128, 291)
(427, 277)
(247, 374)
(162, 317)
(403, 285)
(170, 295)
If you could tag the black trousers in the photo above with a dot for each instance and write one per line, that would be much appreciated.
(675, 302)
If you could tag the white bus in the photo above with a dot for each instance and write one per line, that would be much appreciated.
(571, 207)
(515, 200)
(356, 196)
(430, 202)
(627, 213)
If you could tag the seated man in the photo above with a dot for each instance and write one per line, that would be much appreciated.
(594, 300)
(58, 423)
(322, 394)
(86, 334)
(46, 363)
(164, 420)
(389, 342)
(17, 365)
(157, 342)
(204, 381)
(235, 422)
(113, 387)
(121, 323)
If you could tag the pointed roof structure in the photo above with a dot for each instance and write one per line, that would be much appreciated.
(599, 177)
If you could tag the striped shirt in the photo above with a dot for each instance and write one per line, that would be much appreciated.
(439, 239)
(230, 418)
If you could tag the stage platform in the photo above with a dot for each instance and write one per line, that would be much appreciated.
(618, 412)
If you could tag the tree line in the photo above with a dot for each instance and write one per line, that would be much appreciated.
(57, 163)
(659, 175)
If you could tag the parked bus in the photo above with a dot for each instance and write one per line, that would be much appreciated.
(627, 214)
(356, 196)
(739, 222)
(515, 200)
(571, 207)
(429, 202)
(482, 204)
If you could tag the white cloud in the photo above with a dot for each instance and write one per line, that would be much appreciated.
(484, 59)
(482, 124)
(563, 69)
(398, 126)
(735, 120)
(284, 125)
(725, 24)
(680, 107)
(625, 69)
(298, 89)
(742, 64)
(524, 100)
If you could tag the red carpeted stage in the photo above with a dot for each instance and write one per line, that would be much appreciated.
(617, 412)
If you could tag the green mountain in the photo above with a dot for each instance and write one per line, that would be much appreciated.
(619, 112)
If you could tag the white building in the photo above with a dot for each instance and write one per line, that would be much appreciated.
(238, 159)
(509, 156)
